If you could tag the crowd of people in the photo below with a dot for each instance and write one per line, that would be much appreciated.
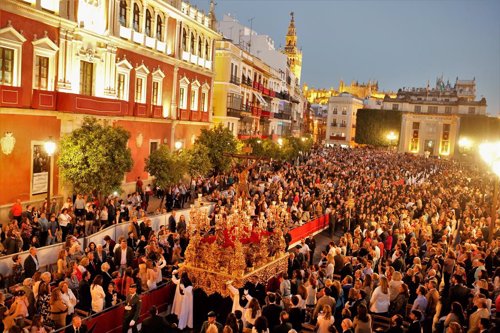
(414, 249)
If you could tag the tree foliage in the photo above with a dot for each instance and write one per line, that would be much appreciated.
(95, 157)
(198, 160)
(219, 140)
(479, 128)
(289, 150)
(167, 167)
(372, 126)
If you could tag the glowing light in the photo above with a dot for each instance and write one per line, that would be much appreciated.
(465, 143)
(489, 152)
(280, 141)
(303, 139)
(178, 145)
(50, 147)
(115, 193)
(496, 167)
(392, 136)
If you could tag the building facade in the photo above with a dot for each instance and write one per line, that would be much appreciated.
(431, 116)
(341, 119)
(144, 65)
(256, 92)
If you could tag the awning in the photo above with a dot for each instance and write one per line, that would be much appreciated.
(260, 98)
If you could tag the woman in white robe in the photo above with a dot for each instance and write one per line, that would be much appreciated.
(176, 306)
(186, 315)
(235, 294)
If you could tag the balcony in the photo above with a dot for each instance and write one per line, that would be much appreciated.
(234, 80)
(99, 106)
(266, 114)
(140, 110)
(246, 81)
(12, 96)
(157, 111)
(334, 124)
(195, 116)
(282, 115)
(205, 117)
(183, 114)
(44, 100)
(342, 125)
(337, 137)
(246, 136)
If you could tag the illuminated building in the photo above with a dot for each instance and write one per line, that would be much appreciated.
(146, 66)
(256, 93)
(431, 116)
(341, 120)
(360, 90)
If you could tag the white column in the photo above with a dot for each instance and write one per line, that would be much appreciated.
(173, 103)
(131, 15)
(61, 61)
(177, 43)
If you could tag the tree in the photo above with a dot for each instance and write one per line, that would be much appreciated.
(219, 141)
(372, 126)
(198, 160)
(95, 157)
(167, 167)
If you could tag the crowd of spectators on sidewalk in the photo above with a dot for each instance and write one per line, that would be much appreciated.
(414, 248)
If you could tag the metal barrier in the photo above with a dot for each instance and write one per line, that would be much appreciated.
(47, 255)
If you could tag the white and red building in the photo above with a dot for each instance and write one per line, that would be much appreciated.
(144, 65)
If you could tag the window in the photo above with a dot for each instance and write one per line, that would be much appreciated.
(194, 99)
(86, 77)
(472, 110)
(335, 110)
(446, 127)
(6, 66)
(122, 79)
(153, 146)
(123, 12)
(182, 98)
(136, 18)
(139, 82)
(395, 107)
(120, 86)
(41, 72)
(432, 109)
(207, 50)
(344, 111)
(193, 42)
(447, 109)
(418, 108)
(200, 48)
(147, 29)
(154, 96)
(159, 27)
(416, 125)
(184, 40)
(204, 101)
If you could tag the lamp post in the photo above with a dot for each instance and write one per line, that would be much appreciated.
(465, 144)
(50, 148)
(178, 145)
(391, 137)
(490, 152)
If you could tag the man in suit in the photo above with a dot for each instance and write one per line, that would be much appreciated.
(172, 224)
(211, 320)
(326, 299)
(457, 292)
(285, 326)
(132, 311)
(296, 314)
(124, 256)
(255, 289)
(76, 326)
(272, 311)
(31, 264)
(155, 323)
(481, 312)
(415, 326)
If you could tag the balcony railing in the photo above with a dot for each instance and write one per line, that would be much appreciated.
(235, 80)
(281, 115)
(246, 81)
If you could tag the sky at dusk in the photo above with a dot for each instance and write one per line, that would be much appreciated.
(400, 43)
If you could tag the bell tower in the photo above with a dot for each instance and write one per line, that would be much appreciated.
(292, 52)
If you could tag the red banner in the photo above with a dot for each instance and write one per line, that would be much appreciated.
(310, 228)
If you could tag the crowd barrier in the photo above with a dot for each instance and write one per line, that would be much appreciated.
(310, 228)
(47, 255)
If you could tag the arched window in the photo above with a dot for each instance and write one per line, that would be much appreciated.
(148, 23)
(137, 14)
(207, 49)
(193, 42)
(200, 47)
(123, 12)
(159, 27)
(184, 40)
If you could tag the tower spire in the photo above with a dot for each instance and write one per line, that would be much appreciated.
(293, 53)
(213, 19)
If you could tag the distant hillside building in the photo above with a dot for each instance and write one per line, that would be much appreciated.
(360, 90)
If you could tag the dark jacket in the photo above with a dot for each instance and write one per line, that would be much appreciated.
(154, 324)
(415, 327)
(118, 256)
(282, 328)
(296, 317)
(172, 224)
(70, 329)
(30, 266)
(272, 314)
(84, 296)
(133, 314)
(205, 326)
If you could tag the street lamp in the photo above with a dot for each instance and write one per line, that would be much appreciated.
(280, 142)
(391, 137)
(490, 153)
(178, 145)
(465, 144)
(50, 148)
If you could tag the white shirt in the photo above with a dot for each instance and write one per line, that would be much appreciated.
(123, 260)
(98, 295)
(70, 300)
